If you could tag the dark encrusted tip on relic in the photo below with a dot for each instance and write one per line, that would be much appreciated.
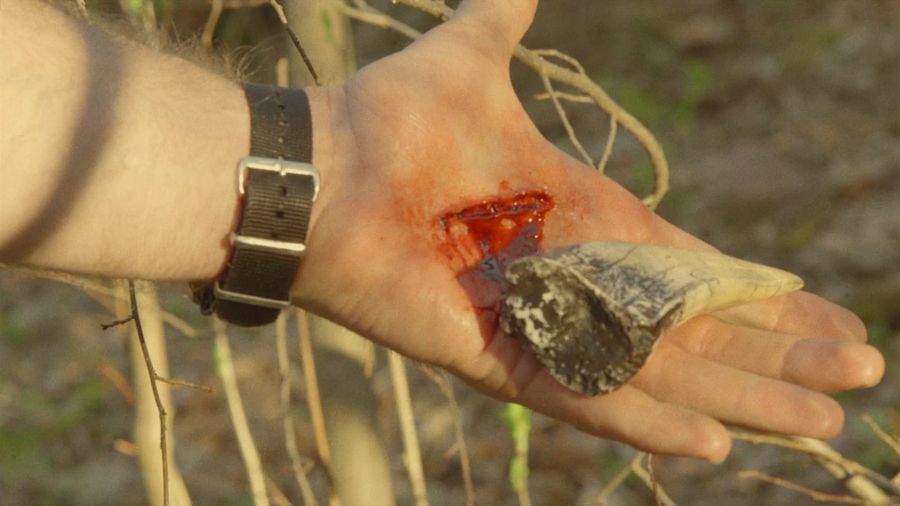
(568, 326)
(592, 312)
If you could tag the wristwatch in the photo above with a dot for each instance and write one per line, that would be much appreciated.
(277, 185)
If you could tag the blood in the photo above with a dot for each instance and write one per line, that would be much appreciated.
(487, 237)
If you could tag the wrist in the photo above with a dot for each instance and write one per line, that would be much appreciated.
(333, 156)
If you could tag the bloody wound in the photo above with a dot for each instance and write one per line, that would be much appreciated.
(501, 231)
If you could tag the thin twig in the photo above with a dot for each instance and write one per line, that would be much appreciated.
(861, 486)
(278, 497)
(290, 437)
(151, 371)
(118, 381)
(568, 97)
(639, 471)
(815, 495)
(850, 466)
(116, 323)
(279, 9)
(187, 384)
(408, 428)
(313, 400)
(610, 141)
(209, 29)
(446, 386)
(225, 369)
(564, 118)
(618, 480)
(584, 99)
(555, 53)
(650, 471)
(82, 7)
(363, 12)
(888, 439)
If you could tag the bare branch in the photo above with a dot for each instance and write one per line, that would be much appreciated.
(815, 495)
(820, 452)
(151, 371)
(408, 428)
(313, 400)
(661, 496)
(215, 12)
(446, 386)
(889, 440)
(290, 437)
(618, 480)
(225, 369)
(564, 118)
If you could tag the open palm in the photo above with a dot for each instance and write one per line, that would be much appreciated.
(449, 132)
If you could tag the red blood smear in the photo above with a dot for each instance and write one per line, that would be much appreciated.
(501, 230)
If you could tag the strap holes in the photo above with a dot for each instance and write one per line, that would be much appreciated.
(284, 191)
(280, 139)
(282, 123)
(279, 214)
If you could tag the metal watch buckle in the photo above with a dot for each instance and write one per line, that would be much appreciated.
(285, 168)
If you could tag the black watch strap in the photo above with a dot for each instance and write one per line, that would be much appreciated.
(278, 186)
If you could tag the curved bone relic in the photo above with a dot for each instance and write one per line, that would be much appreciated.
(593, 312)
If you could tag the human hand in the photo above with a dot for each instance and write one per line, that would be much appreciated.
(437, 128)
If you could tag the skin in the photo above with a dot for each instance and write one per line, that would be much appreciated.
(429, 130)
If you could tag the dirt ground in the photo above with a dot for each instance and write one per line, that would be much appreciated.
(781, 121)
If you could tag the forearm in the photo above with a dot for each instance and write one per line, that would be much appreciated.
(115, 159)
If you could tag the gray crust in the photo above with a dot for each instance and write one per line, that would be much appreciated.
(590, 320)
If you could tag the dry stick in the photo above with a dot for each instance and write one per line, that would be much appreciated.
(215, 12)
(278, 497)
(660, 494)
(446, 386)
(225, 369)
(584, 99)
(815, 495)
(652, 475)
(859, 485)
(82, 7)
(569, 97)
(829, 455)
(279, 9)
(580, 81)
(618, 480)
(564, 118)
(313, 400)
(891, 441)
(610, 141)
(363, 12)
(290, 437)
(135, 315)
(408, 428)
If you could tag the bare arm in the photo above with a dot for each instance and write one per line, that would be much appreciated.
(116, 159)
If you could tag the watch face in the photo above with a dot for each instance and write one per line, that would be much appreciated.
(592, 313)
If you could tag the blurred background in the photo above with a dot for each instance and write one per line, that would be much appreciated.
(781, 121)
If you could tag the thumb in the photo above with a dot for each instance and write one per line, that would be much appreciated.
(494, 26)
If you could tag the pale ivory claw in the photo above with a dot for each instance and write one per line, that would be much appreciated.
(593, 312)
